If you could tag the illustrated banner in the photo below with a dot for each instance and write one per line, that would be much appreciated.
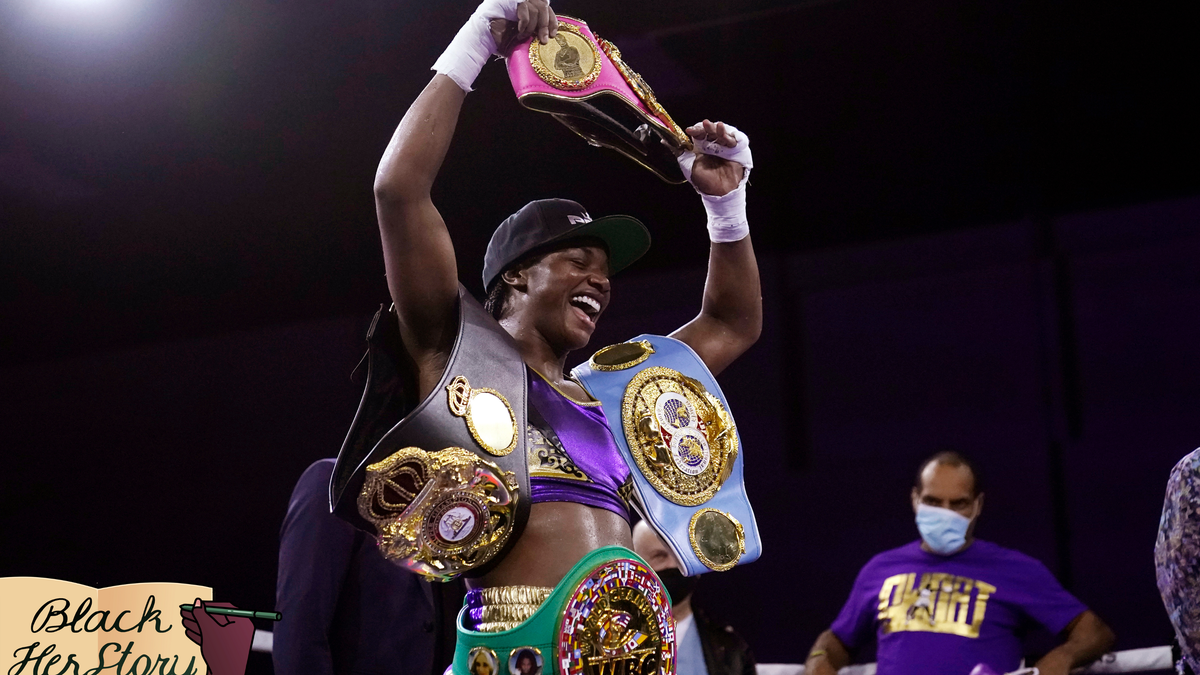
(53, 627)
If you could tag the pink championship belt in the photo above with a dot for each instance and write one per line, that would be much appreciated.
(581, 80)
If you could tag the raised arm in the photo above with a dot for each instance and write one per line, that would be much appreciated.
(417, 252)
(418, 255)
(730, 318)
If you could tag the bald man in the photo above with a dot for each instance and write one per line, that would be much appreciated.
(949, 602)
(703, 647)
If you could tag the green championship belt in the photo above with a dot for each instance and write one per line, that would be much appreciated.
(609, 614)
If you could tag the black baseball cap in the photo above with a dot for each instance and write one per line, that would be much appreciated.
(548, 221)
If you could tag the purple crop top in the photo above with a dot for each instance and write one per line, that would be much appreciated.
(583, 464)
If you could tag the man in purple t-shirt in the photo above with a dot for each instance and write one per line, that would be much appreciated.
(948, 602)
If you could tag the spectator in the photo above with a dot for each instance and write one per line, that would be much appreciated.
(346, 609)
(703, 647)
(948, 602)
(1176, 553)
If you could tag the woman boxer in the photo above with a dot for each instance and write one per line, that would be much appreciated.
(547, 276)
(541, 306)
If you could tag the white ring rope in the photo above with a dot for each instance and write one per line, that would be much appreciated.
(1127, 661)
(264, 641)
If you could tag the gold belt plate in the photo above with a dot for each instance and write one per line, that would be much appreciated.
(488, 415)
(570, 61)
(618, 620)
(682, 438)
(717, 539)
(440, 513)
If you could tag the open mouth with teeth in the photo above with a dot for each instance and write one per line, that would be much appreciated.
(588, 306)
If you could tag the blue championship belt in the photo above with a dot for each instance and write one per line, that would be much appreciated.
(682, 447)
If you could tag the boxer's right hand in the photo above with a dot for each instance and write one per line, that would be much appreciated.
(534, 18)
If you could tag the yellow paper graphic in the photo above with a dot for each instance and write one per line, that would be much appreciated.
(63, 628)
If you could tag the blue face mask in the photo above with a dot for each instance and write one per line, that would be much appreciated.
(943, 530)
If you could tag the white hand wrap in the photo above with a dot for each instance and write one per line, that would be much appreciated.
(726, 213)
(473, 44)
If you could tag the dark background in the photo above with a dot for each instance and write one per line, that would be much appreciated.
(977, 224)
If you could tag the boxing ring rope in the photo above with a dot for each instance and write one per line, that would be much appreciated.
(1127, 661)
(264, 641)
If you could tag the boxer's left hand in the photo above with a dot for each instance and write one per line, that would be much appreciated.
(709, 173)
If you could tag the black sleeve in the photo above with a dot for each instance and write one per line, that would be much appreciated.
(725, 652)
(315, 552)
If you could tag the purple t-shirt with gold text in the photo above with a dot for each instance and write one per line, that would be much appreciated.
(943, 615)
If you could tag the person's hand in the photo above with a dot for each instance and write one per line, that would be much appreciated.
(713, 175)
(534, 18)
(224, 640)
(1054, 664)
(820, 666)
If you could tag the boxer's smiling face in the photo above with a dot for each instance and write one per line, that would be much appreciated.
(561, 294)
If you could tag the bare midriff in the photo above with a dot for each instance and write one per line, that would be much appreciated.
(558, 535)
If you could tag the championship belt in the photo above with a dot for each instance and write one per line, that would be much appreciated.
(582, 82)
(682, 447)
(442, 483)
(609, 615)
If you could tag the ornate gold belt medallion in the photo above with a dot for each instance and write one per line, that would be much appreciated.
(681, 437)
(439, 513)
(489, 416)
(617, 621)
(570, 61)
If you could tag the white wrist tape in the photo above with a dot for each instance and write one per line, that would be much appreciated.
(471, 47)
(726, 213)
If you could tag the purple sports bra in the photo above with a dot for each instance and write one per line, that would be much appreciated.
(575, 459)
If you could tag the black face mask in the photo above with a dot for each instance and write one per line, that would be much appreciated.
(678, 586)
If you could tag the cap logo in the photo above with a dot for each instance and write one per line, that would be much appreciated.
(575, 220)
